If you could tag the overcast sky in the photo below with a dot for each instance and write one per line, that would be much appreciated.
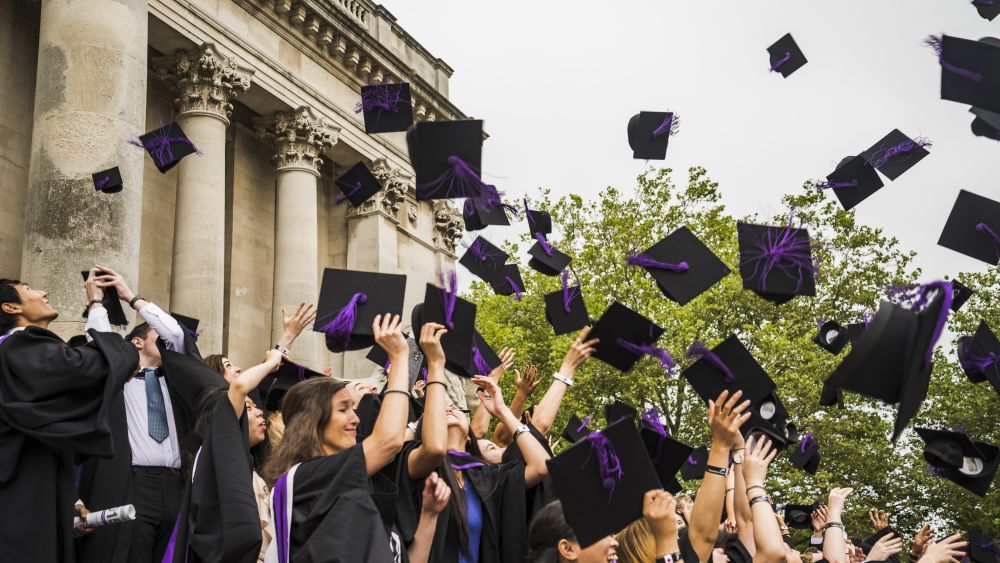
(556, 83)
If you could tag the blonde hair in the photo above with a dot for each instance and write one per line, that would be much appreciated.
(635, 543)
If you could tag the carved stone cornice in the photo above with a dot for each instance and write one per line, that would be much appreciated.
(448, 225)
(205, 80)
(395, 184)
(300, 137)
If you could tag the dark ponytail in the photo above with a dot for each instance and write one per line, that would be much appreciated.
(547, 528)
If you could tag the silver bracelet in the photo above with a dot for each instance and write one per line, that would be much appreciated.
(563, 378)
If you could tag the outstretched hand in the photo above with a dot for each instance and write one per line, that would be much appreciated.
(430, 343)
(886, 546)
(506, 356)
(490, 395)
(725, 417)
(578, 353)
(818, 518)
(94, 291)
(294, 324)
(758, 456)
(388, 332)
(878, 518)
(920, 541)
(109, 278)
(528, 382)
(948, 550)
(436, 494)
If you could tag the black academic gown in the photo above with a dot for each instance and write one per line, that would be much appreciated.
(334, 519)
(54, 403)
(105, 483)
(542, 493)
(219, 521)
(398, 499)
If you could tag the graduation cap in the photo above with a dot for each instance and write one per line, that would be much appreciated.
(979, 356)
(538, 221)
(799, 516)
(960, 294)
(668, 455)
(483, 258)
(785, 56)
(770, 418)
(357, 185)
(447, 158)
(483, 358)
(896, 153)
(776, 262)
(387, 107)
(682, 266)
(166, 146)
(973, 227)
(831, 337)
(625, 337)
(274, 387)
(479, 212)
(188, 324)
(852, 182)
(112, 304)
(986, 123)
(506, 280)
(616, 411)
(601, 481)
(982, 548)
(970, 70)
(650, 131)
(576, 429)
(547, 259)
(806, 454)
(565, 309)
(378, 356)
(957, 458)
(349, 301)
(988, 9)
(108, 181)
(694, 465)
(445, 307)
(891, 361)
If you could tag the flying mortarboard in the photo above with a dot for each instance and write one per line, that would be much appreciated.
(447, 158)
(979, 356)
(166, 146)
(483, 259)
(896, 153)
(625, 337)
(538, 221)
(682, 266)
(649, 133)
(387, 107)
(799, 516)
(480, 212)
(108, 181)
(776, 262)
(831, 337)
(506, 280)
(617, 410)
(973, 227)
(112, 304)
(576, 429)
(188, 324)
(547, 259)
(957, 458)
(565, 309)
(805, 455)
(785, 56)
(960, 294)
(668, 455)
(483, 358)
(357, 185)
(986, 123)
(349, 301)
(694, 465)
(988, 9)
(852, 182)
(970, 70)
(442, 305)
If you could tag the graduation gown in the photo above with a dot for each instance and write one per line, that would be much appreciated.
(54, 403)
(542, 493)
(107, 482)
(398, 500)
(219, 522)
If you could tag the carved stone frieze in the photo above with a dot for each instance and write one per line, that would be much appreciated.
(448, 225)
(206, 81)
(300, 137)
(395, 184)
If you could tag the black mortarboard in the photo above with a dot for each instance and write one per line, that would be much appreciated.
(457, 342)
(988, 9)
(447, 158)
(650, 131)
(277, 384)
(479, 212)
(785, 56)
(108, 181)
(565, 309)
(895, 153)
(668, 455)
(349, 301)
(982, 548)
(805, 455)
(832, 337)
(960, 294)
(387, 107)
(506, 280)
(855, 330)
(979, 356)
(378, 356)
(969, 71)
(728, 366)
(954, 456)
(620, 326)
(853, 181)
(694, 465)
(617, 410)
(547, 259)
(770, 418)
(189, 324)
(799, 516)
(112, 304)
(986, 123)
(167, 146)
(576, 429)
(538, 221)
(973, 227)
(357, 185)
(890, 361)
(483, 359)
(682, 265)
(776, 262)
(596, 499)
(483, 259)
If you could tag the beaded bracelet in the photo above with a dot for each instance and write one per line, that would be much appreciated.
(400, 391)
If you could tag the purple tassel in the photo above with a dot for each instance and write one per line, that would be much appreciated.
(385, 367)
(639, 259)
(103, 182)
(835, 185)
(478, 361)
(780, 62)
(518, 291)
(820, 323)
(807, 439)
(972, 361)
(935, 43)
(546, 247)
(986, 230)
(666, 360)
(902, 148)
(691, 460)
(671, 124)
(192, 333)
(698, 349)
(351, 190)
(866, 318)
(919, 298)
(780, 249)
(383, 97)
(568, 293)
(449, 296)
(529, 216)
(652, 418)
(159, 146)
(608, 464)
(586, 421)
(458, 180)
(342, 325)
(423, 374)
(490, 199)
(482, 252)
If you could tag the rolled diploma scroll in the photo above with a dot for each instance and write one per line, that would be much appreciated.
(107, 516)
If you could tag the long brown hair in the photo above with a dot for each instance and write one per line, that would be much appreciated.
(306, 410)
(635, 543)
(215, 362)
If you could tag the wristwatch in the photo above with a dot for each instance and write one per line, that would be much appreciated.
(522, 429)
(738, 457)
(281, 349)
(670, 558)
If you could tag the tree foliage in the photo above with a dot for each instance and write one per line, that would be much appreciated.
(857, 264)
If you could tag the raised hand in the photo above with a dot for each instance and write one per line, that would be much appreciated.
(430, 343)
(878, 518)
(837, 499)
(578, 353)
(490, 395)
(924, 535)
(948, 550)
(294, 324)
(725, 418)
(436, 494)
(506, 356)
(659, 508)
(110, 278)
(418, 388)
(527, 383)
(887, 546)
(388, 333)
(757, 457)
(818, 518)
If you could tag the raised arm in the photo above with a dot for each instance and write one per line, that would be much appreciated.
(741, 502)
(659, 509)
(294, 324)
(426, 457)
(547, 409)
(250, 378)
(834, 545)
(532, 450)
(390, 428)
(97, 315)
(166, 327)
(769, 545)
(435, 499)
(725, 417)
(524, 386)
(480, 423)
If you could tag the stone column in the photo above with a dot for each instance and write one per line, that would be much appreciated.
(90, 98)
(206, 81)
(300, 137)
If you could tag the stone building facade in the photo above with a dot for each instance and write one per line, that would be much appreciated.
(266, 90)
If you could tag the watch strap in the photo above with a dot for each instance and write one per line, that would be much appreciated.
(568, 381)
(721, 471)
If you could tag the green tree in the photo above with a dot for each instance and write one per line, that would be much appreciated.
(858, 263)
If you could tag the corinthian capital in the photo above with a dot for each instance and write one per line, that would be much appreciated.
(205, 80)
(301, 136)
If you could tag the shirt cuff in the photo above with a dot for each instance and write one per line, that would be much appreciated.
(165, 326)
(97, 319)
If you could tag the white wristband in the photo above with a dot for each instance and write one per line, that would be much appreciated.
(568, 381)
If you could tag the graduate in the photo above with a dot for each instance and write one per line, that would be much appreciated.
(54, 402)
